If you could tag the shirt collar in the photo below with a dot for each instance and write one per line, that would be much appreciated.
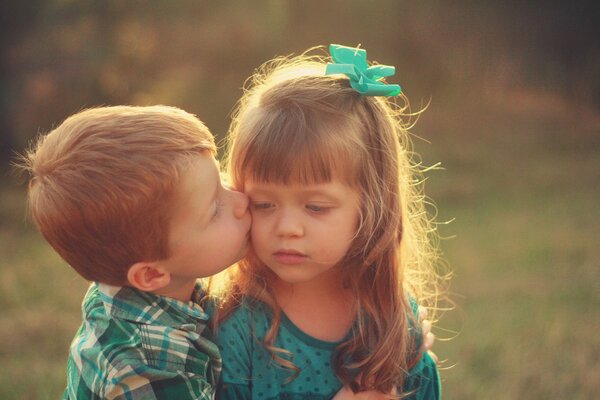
(148, 308)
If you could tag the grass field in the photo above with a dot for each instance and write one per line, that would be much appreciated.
(523, 185)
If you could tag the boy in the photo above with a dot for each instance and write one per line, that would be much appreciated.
(131, 198)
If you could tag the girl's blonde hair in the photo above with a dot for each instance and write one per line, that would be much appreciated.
(294, 124)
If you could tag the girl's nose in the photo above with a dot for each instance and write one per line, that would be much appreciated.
(289, 225)
(240, 204)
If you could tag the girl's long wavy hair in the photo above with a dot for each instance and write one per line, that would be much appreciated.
(294, 124)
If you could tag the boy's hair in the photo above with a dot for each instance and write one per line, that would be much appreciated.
(102, 183)
(295, 124)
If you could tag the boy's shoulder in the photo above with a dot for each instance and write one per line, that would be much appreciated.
(135, 338)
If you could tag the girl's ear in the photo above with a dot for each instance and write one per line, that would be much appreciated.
(147, 276)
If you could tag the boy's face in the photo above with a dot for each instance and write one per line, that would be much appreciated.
(302, 231)
(209, 229)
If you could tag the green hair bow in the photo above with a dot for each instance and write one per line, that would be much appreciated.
(365, 80)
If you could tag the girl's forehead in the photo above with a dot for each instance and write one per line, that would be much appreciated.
(301, 166)
(305, 176)
(334, 190)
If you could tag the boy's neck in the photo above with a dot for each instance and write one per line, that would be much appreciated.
(181, 290)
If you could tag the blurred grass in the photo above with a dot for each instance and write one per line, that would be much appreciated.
(40, 300)
(522, 185)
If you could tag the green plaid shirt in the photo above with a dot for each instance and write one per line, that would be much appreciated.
(137, 345)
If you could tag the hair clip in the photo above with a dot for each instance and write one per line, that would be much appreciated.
(352, 62)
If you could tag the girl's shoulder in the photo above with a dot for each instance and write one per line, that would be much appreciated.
(413, 318)
(249, 313)
(424, 379)
(414, 306)
(244, 305)
(250, 307)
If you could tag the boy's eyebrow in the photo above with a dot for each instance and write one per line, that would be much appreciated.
(209, 212)
(218, 184)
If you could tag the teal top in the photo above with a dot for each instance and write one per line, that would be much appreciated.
(137, 345)
(249, 372)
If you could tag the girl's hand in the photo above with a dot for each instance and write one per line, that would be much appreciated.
(428, 337)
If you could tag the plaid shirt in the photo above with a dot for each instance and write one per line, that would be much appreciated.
(137, 345)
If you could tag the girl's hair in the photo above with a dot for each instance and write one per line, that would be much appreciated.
(294, 124)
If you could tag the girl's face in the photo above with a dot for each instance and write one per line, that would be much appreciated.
(302, 231)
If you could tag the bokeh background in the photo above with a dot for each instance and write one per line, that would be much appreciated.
(513, 90)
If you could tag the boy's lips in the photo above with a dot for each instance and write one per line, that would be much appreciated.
(289, 256)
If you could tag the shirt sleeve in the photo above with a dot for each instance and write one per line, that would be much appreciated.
(135, 382)
(156, 384)
(235, 340)
(122, 367)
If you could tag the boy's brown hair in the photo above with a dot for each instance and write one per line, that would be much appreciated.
(102, 184)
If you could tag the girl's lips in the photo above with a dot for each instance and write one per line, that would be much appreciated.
(290, 257)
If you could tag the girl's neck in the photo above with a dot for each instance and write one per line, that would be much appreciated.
(321, 308)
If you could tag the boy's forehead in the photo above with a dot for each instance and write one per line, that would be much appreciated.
(198, 182)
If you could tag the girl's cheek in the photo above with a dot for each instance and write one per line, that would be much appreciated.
(254, 230)
(258, 222)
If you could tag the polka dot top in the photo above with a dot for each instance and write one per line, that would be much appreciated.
(249, 372)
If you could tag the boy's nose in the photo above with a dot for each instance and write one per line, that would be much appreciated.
(240, 204)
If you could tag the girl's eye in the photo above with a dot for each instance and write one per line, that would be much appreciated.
(262, 205)
(316, 208)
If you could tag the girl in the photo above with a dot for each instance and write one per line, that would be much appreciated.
(342, 245)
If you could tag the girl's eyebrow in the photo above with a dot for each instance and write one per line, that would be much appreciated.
(257, 191)
(319, 192)
(265, 191)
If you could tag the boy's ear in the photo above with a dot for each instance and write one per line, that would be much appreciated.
(147, 276)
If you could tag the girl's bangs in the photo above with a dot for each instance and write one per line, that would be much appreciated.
(300, 153)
